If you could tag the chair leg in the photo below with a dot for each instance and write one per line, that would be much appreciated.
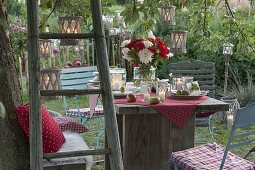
(210, 128)
(100, 134)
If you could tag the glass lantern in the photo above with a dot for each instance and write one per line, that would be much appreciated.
(178, 42)
(168, 15)
(118, 78)
(228, 49)
(69, 24)
(45, 48)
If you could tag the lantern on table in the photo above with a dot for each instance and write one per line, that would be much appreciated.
(70, 25)
(227, 52)
(118, 78)
(178, 42)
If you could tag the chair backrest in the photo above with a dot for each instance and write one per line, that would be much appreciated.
(245, 117)
(203, 72)
(78, 78)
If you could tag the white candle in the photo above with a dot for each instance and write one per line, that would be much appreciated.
(179, 84)
(116, 86)
(162, 95)
(230, 120)
(146, 96)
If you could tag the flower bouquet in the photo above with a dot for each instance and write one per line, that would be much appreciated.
(145, 53)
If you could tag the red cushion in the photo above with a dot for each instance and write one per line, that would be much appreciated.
(67, 123)
(52, 136)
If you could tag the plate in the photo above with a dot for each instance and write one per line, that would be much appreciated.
(201, 94)
(118, 94)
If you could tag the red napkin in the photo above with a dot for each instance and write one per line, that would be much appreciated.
(177, 110)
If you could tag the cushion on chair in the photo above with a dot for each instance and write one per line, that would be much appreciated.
(52, 136)
(208, 157)
(85, 112)
(67, 123)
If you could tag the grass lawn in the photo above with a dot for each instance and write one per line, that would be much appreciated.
(201, 134)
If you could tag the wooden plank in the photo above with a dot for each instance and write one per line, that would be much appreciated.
(79, 69)
(76, 153)
(70, 82)
(66, 167)
(149, 139)
(35, 120)
(197, 64)
(66, 35)
(70, 92)
(190, 72)
(103, 67)
(209, 105)
(77, 75)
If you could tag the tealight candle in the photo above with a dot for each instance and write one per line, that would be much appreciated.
(162, 95)
(146, 97)
(230, 120)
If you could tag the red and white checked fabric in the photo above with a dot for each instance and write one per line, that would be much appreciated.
(68, 123)
(208, 157)
(176, 110)
(85, 112)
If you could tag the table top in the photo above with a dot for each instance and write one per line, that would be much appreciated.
(209, 105)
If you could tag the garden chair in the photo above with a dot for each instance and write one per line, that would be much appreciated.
(212, 156)
(204, 73)
(78, 78)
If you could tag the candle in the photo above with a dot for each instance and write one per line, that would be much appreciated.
(146, 97)
(230, 120)
(179, 84)
(162, 95)
(116, 86)
(116, 81)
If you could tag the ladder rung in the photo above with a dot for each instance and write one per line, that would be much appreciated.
(76, 153)
(69, 92)
(66, 35)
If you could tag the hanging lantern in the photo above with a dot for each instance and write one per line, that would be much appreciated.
(168, 15)
(69, 25)
(228, 49)
(108, 20)
(178, 42)
(45, 48)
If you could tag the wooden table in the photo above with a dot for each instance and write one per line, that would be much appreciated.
(148, 138)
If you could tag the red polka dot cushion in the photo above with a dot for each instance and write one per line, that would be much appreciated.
(68, 123)
(52, 136)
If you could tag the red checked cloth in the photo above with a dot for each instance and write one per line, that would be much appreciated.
(208, 157)
(68, 123)
(176, 110)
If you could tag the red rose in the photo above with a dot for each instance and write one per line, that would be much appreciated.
(152, 49)
(139, 45)
(136, 65)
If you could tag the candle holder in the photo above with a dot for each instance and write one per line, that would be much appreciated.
(45, 48)
(118, 78)
(178, 42)
(145, 90)
(70, 25)
(230, 119)
(177, 83)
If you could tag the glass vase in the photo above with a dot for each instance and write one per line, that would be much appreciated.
(145, 72)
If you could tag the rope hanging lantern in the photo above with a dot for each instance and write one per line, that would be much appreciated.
(227, 52)
(168, 15)
(69, 25)
(178, 42)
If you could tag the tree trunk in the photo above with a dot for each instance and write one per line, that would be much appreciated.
(14, 147)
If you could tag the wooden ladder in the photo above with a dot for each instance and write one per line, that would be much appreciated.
(114, 149)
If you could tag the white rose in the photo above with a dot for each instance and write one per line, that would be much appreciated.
(124, 43)
(150, 35)
(147, 44)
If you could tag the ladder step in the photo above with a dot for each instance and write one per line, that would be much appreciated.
(76, 153)
(66, 35)
(69, 92)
